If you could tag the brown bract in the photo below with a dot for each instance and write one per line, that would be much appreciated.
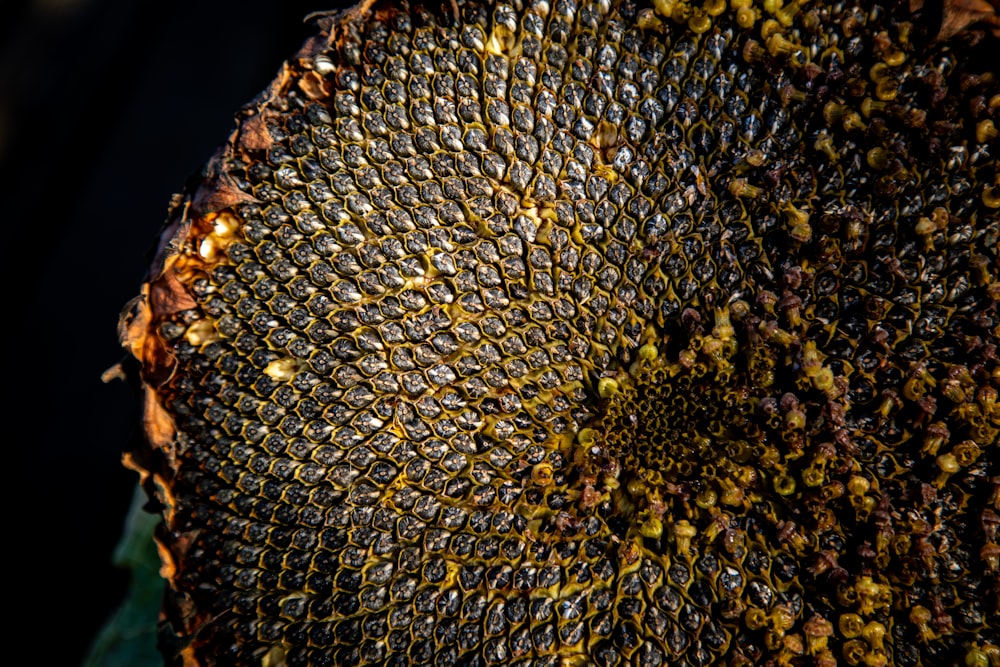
(961, 15)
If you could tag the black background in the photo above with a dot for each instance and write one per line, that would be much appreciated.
(106, 108)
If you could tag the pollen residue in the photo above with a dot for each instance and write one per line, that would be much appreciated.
(284, 369)
(201, 332)
(214, 232)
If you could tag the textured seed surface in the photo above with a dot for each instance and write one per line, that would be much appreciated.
(571, 333)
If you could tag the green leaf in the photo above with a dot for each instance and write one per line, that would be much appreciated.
(128, 638)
